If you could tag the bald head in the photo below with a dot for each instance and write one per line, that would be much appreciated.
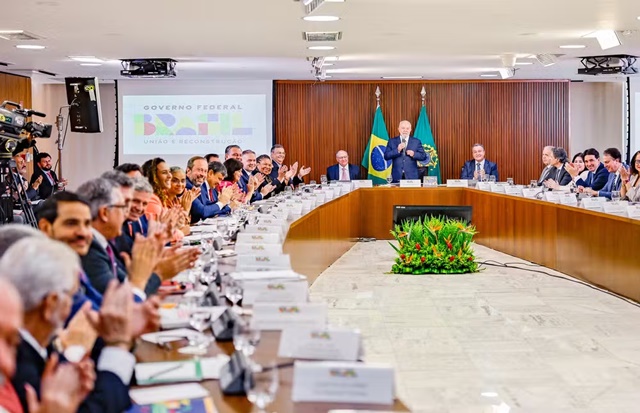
(404, 128)
(10, 322)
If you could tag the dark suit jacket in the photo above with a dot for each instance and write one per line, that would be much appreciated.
(124, 242)
(402, 161)
(279, 186)
(45, 190)
(110, 394)
(613, 184)
(202, 207)
(32, 194)
(560, 175)
(295, 181)
(189, 184)
(333, 172)
(469, 167)
(243, 184)
(597, 180)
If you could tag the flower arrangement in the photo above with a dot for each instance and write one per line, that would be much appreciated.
(436, 246)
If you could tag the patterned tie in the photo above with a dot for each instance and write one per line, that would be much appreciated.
(344, 176)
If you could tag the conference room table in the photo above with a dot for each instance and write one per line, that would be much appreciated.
(591, 246)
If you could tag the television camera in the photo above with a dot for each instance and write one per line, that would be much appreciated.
(16, 128)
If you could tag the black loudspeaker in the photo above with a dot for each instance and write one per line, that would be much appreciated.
(83, 95)
(222, 327)
(232, 375)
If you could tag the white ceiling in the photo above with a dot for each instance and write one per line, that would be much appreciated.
(262, 39)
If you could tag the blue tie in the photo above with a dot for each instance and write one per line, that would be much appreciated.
(590, 179)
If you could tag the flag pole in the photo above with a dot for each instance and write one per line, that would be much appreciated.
(378, 93)
(423, 94)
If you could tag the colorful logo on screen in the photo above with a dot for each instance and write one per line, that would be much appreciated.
(166, 124)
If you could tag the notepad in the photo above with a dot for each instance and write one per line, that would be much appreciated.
(166, 393)
(207, 368)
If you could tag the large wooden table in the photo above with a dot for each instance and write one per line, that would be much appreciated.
(592, 246)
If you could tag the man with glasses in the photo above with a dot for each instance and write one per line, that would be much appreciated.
(343, 170)
(612, 160)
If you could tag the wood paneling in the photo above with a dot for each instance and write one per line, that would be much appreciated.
(16, 89)
(513, 120)
(588, 245)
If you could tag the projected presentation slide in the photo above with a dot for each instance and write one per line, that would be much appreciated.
(193, 124)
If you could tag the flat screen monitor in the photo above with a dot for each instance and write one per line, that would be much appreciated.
(402, 213)
(83, 94)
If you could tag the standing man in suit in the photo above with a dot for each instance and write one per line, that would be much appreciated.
(277, 156)
(343, 170)
(405, 151)
(612, 159)
(50, 182)
(211, 204)
(479, 166)
(596, 178)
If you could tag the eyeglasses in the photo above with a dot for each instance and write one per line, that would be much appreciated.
(125, 206)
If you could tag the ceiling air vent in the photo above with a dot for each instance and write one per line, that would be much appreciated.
(322, 36)
(17, 35)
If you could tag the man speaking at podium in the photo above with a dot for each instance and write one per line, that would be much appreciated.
(405, 151)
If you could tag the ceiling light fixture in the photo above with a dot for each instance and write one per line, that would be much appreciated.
(321, 47)
(86, 59)
(402, 77)
(321, 18)
(573, 46)
(327, 64)
(90, 64)
(523, 63)
(331, 58)
(488, 75)
(507, 73)
(546, 59)
(30, 46)
(606, 38)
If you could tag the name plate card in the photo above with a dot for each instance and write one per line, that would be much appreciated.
(257, 238)
(342, 382)
(531, 192)
(410, 183)
(594, 204)
(633, 211)
(329, 194)
(362, 183)
(568, 199)
(552, 197)
(498, 188)
(268, 220)
(253, 262)
(513, 190)
(308, 204)
(616, 208)
(313, 344)
(483, 186)
(275, 292)
(345, 185)
(261, 229)
(278, 316)
(320, 196)
(457, 183)
(279, 212)
(259, 249)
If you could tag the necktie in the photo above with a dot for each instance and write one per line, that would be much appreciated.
(590, 179)
(344, 176)
(478, 166)
(130, 228)
(48, 173)
(112, 258)
(616, 184)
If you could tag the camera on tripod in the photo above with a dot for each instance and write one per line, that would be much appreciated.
(14, 122)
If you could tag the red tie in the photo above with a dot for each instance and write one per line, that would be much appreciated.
(211, 194)
(50, 177)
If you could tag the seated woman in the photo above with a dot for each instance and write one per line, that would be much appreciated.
(178, 195)
(234, 179)
(558, 176)
(630, 188)
(578, 163)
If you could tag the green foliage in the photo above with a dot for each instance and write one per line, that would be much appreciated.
(438, 245)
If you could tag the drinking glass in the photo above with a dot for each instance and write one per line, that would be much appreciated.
(245, 338)
(615, 196)
(389, 180)
(200, 321)
(312, 183)
(262, 385)
(492, 179)
(533, 183)
(510, 181)
(233, 290)
(323, 179)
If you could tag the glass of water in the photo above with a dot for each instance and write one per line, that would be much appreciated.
(323, 179)
(262, 385)
(389, 180)
(615, 196)
(533, 183)
(233, 290)
(510, 181)
(492, 179)
(245, 338)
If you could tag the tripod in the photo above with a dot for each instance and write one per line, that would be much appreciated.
(14, 194)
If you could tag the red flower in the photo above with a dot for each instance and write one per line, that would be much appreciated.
(423, 259)
(402, 256)
(417, 246)
(451, 258)
(470, 259)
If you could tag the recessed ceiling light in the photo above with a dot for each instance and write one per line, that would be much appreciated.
(321, 47)
(523, 63)
(402, 77)
(327, 64)
(90, 64)
(573, 46)
(335, 1)
(331, 58)
(30, 46)
(86, 59)
(488, 75)
(321, 18)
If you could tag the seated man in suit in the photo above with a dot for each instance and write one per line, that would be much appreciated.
(136, 222)
(196, 171)
(108, 213)
(558, 175)
(479, 166)
(211, 204)
(343, 170)
(233, 151)
(612, 160)
(277, 156)
(404, 151)
(249, 165)
(49, 182)
(46, 286)
(598, 174)
(20, 175)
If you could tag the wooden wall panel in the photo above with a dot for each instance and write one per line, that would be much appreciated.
(16, 89)
(514, 120)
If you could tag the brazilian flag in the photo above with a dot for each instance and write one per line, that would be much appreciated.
(423, 132)
(373, 158)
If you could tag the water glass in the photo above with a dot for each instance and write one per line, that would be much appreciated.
(389, 180)
(233, 290)
(323, 179)
(262, 385)
(200, 320)
(615, 196)
(245, 338)
(510, 181)
(492, 179)
(533, 183)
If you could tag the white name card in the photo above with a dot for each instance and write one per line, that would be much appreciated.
(327, 344)
(258, 238)
(498, 188)
(552, 197)
(513, 190)
(329, 194)
(568, 199)
(342, 382)
(279, 212)
(483, 186)
(616, 208)
(269, 220)
(346, 186)
(287, 275)
(259, 249)
(320, 196)
(278, 316)
(275, 292)
(260, 229)
(410, 183)
(633, 211)
(257, 262)
(457, 183)
(362, 183)
(308, 204)
(531, 192)
(594, 204)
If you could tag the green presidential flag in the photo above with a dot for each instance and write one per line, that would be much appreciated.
(423, 132)
(373, 159)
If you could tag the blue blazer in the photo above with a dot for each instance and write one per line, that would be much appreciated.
(124, 242)
(469, 167)
(613, 184)
(597, 180)
(244, 185)
(189, 184)
(333, 172)
(402, 161)
(203, 207)
(85, 293)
